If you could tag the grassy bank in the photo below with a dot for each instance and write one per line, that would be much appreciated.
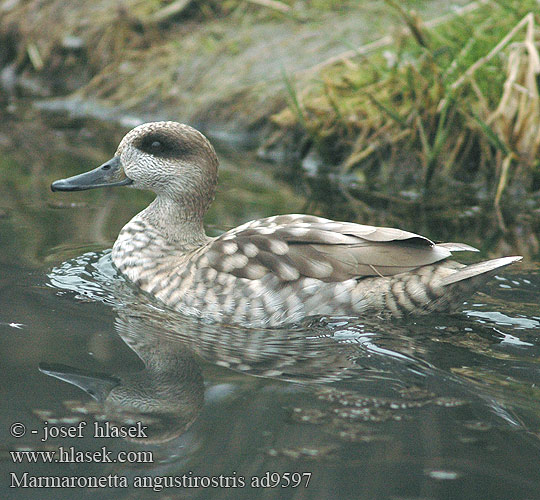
(428, 121)
(455, 100)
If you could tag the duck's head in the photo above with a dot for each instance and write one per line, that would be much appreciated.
(171, 159)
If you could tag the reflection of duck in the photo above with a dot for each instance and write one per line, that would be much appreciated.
(304, 353)
(270, 271)
(166, 396)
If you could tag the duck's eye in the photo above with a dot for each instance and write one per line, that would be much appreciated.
(157, 145)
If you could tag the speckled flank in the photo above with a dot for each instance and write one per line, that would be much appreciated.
(271, 271)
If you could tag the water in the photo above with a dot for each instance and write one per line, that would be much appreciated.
(442, 407)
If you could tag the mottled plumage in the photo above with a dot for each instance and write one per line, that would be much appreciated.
(271, 271)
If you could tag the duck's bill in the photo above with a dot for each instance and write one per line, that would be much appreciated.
(109, 174)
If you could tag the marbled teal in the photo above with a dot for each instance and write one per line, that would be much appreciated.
(267, 272)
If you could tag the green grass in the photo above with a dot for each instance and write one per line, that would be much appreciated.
(455, 101)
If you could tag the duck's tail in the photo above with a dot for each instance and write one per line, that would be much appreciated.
(461, 282)
(439, 287)
(484, 269)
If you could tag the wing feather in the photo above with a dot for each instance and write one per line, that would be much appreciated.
(294, 246)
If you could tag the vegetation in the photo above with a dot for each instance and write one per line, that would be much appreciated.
(453, 100)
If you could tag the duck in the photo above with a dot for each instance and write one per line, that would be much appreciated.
(270, 272)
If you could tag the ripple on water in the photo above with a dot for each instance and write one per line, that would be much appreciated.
(357, 386)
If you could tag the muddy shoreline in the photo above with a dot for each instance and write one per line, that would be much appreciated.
(223, 69)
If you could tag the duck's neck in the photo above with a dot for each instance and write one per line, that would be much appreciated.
(174, 222)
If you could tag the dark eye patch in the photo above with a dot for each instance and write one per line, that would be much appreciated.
(160, 143)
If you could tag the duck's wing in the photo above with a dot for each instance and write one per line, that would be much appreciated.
(292, 246)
